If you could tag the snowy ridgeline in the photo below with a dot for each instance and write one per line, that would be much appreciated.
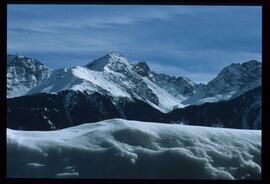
(130, 149)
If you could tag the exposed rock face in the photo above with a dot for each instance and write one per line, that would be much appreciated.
(236, 77)
(23, 74)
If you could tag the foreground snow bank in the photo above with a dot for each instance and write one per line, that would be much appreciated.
(130, 149)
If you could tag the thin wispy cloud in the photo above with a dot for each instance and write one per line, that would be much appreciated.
(97, 19)
(200, 40)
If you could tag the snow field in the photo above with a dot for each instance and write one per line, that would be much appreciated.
(119, 148)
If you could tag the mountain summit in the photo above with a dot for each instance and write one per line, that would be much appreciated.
(236, 77)
(24, 73)
(112, 61)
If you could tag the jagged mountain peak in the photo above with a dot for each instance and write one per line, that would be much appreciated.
(23, 60)
(236, 77)
(114, 54)
(177, 86)
(141, 68)
(247, 64)
(113, 61)
(24, 73)
(252, 63)
(237, 70)
(189, 81)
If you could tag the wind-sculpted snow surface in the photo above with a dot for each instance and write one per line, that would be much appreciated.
(119, 148)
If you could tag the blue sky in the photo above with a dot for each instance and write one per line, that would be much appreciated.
(192, 41)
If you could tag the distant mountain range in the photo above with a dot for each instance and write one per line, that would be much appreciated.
(40, 98)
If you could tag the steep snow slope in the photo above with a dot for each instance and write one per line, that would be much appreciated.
(79, 79)
(112, 61)
(167, 102)
(23, 74)
(110, 75)
(130, 149)
(179, 87)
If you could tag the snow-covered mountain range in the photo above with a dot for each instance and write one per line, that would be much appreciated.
(114, 87)
(115, 76)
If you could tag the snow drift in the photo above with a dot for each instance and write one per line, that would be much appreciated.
(119, 148)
